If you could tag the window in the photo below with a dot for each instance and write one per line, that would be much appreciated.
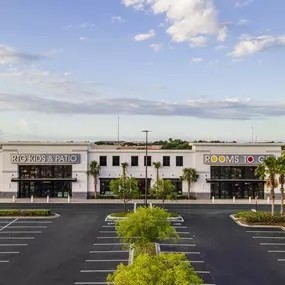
(103, 160)
(179, 160)
(148, 160)
(134, 161)
(166, 161)
(116, 161)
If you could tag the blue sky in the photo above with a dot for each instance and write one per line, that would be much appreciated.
(189, 69)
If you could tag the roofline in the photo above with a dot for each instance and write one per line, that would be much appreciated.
(238, 144)
(31, 143)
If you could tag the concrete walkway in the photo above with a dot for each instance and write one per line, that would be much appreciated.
(117, 201)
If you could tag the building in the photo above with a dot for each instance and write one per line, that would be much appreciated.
(59, 169)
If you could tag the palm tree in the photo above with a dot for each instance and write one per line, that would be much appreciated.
(94, 170)
(281, 172)
(124, 167)
(156, 165)
(190, 175)
(270, 168)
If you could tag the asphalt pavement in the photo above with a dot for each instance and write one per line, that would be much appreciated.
(79, 247)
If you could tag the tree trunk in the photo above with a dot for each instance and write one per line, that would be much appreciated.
(282, 199)
(272, 196)
(157, 174)
(95, 187)
(125, 206)
(163, 203)
(189, 186)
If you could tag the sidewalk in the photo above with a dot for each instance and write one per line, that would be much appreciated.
(115, 201)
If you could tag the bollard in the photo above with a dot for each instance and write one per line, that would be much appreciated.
(32, 199)
(249, 200)
(213, 199)
(150, 205)
(135, 207)
(234, 199)
(47, 199)
(68, 199)
(268, 200)
(13, 199)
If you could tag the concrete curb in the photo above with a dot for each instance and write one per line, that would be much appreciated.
(241, 224)
(173, 219)
(55, 216)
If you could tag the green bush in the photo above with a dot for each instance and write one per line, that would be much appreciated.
(25, 213)
(260, 217)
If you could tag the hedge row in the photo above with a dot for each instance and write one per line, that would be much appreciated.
(99, 196)
(25, 213)
(260, 217)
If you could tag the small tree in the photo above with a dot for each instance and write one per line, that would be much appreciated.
(171, 268)
(94, 170)
(281, 172)
(189, 175)
(145, 226)
(164, 189)
(156, 165)
(269, 168)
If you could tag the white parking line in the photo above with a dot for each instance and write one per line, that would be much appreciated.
(107, 232)
(281, 259)
(270, 237)
(180, 227)
(106, 260)
(28, 227)
(191, 261)
(203, 272)
(107, 251)
(186, 252)
(22, 232)
(33, 222)
(117, 243)
(14, 244)
(8, 225)
(179, 244)
(9, 252)
(277, 251)
(91, 283)
(275, 232)
(108, 226)
(97, 270)
(271, 243)
(17, 238)
(4, 261)
(183, 233)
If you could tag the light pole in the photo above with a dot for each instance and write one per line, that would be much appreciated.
(145, 191)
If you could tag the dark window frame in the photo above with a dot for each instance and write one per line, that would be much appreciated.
(166, 161)
(148, 160)
(134, 160)
(179, 161)
(100, 162)
(114, 162)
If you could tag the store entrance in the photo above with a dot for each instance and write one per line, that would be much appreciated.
(240, 190)
(58, 189)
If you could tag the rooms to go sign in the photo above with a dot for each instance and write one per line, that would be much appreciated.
(45, 158)
(238, 159)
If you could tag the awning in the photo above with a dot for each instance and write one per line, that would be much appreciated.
(212, 180)
(43, 179)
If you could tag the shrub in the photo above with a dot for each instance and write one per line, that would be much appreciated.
(260, 217)
(25, 213)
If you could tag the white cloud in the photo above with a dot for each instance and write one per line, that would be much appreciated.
(236, 60)
(241, 4)
(188, 18)
(224, 109)
(156, 47)
(9, 55)
(118, 19)
(197, 59)
(23, 125)
(161, 25)
(222, 34)
(198, 41)
(67, 73)
(220, 47)
(242, 22)
(84, 39)
(143, 37)
(251, 45)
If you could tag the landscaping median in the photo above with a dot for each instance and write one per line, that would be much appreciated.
(25, 213)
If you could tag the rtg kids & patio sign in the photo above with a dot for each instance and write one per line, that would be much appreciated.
(238, 159)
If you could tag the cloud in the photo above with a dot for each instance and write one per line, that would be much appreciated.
(188, 18)
(251, 45)
(197, 59)
(222, 34)
(198, 42)
(117, 19)
(220, 47)
(156, 47)
(225, 109)
(241, 4)
(84, 39)
(23, 125)
(143, 37)
(161, 25)
(9, 55)
(242, 22)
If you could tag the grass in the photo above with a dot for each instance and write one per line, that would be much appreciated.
(148, 249)
(263, 218)
(25, 213)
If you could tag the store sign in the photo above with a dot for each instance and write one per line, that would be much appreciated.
(238, 159)
(45, 158)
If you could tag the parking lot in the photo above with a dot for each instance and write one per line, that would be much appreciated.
(80, 247)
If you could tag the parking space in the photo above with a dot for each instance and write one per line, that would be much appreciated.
(105, 254)
(187, 245)
(16, 234)
(272, 240)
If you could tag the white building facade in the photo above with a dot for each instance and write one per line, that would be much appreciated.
(58, 169)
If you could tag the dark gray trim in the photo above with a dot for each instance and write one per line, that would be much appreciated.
(201, 195)
(79, 195)
(8, 194)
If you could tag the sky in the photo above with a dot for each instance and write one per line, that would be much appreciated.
(189, 69)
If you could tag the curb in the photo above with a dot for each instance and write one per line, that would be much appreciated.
(241, 224)
(173, 219)
(55, 216)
